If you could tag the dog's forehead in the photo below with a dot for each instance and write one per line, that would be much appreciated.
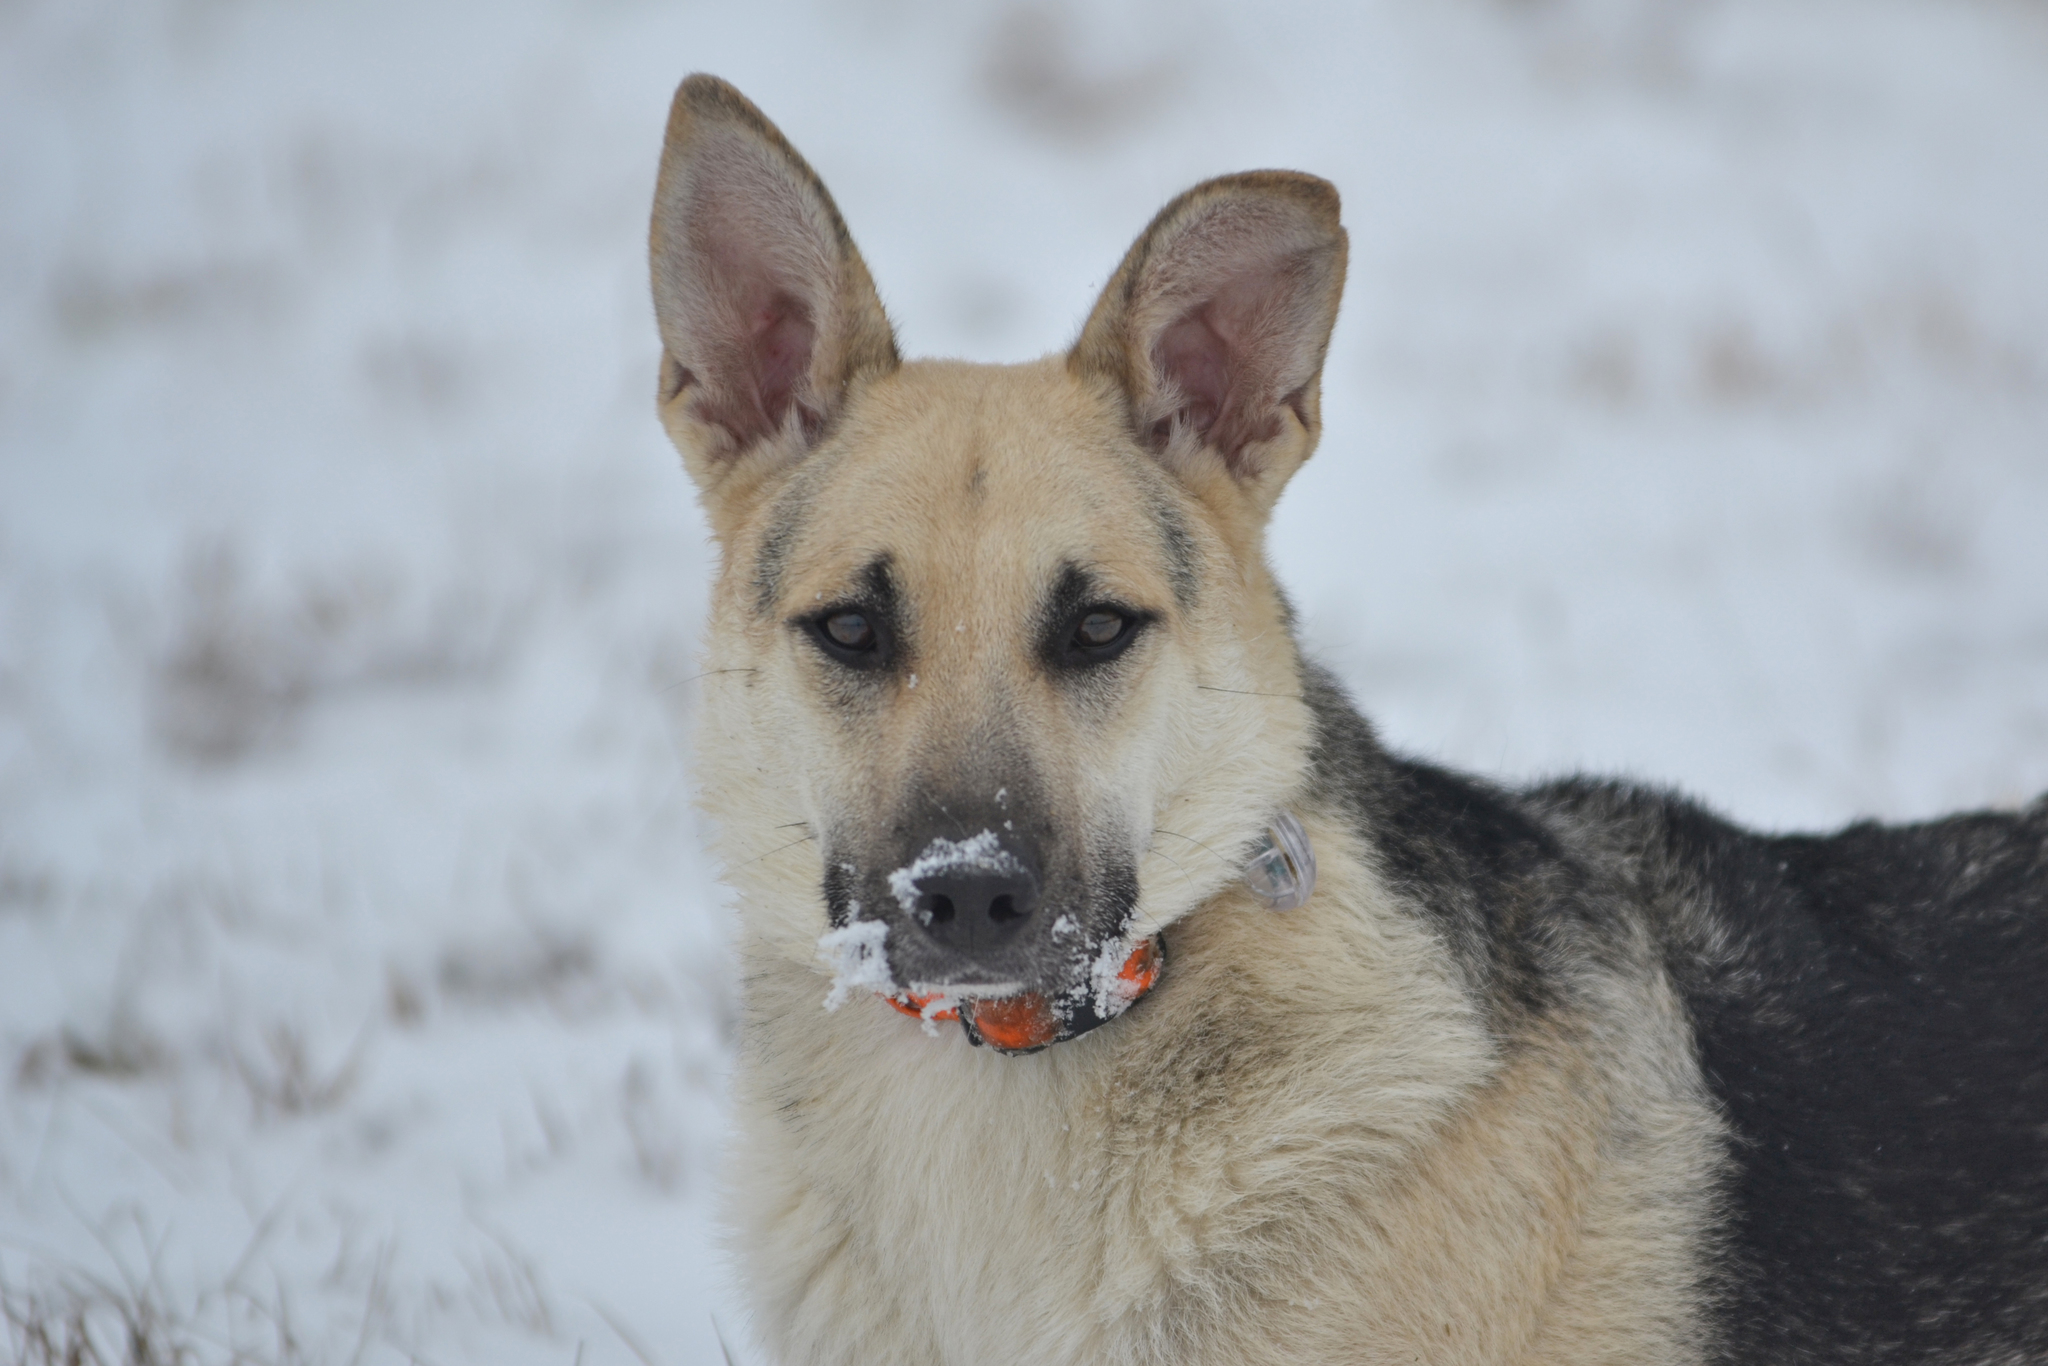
(979, 481)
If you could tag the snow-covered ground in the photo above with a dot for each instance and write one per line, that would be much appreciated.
(362, 995)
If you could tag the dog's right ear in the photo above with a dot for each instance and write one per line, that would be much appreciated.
(767, 313)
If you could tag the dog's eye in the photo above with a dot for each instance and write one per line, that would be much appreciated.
(1097, 635)
(1100, 628)
(850, 631)
(855, 638)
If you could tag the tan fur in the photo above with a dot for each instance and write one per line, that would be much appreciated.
(1306, 1146)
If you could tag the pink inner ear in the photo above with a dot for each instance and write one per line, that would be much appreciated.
(1197, 362)
(773, 357)
(751, 277)
(783, 335)
(1221, 356)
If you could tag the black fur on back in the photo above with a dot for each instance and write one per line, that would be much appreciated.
(1494, 880)
(1870, 1009)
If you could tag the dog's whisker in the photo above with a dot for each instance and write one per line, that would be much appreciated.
(776, 850)
(1197, 843)
(1289, 696)
(957, 823)
(708, 673)
(1183, 871)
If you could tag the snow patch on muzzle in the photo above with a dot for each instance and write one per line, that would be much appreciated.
(983, 853)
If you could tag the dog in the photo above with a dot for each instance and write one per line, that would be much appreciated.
(1111, 995)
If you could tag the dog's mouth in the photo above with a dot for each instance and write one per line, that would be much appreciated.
(1002, 1015)
(886, 954)
(966, 991)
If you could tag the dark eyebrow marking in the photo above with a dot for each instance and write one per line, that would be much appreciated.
(880, 585)
(776, 543)
(1180, 549)
(873, 591)
(1074, 589)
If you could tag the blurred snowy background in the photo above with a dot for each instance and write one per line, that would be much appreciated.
(361, 984)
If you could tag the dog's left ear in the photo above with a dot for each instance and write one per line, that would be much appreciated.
(1214, 327)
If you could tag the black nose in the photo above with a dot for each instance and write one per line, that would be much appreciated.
(972, 909)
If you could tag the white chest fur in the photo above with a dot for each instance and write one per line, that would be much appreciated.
(1302, 1147)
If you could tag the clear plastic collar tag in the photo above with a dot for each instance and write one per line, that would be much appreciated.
(1282, 870)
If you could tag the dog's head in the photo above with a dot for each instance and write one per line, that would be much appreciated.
(995, 659)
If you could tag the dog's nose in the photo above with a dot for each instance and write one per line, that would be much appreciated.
(969, 910)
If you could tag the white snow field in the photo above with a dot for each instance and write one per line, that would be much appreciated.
(363, 988)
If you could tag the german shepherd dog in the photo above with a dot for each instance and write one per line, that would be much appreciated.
(1012, 752)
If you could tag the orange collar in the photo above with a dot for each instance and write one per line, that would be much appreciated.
(1028, 1022)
